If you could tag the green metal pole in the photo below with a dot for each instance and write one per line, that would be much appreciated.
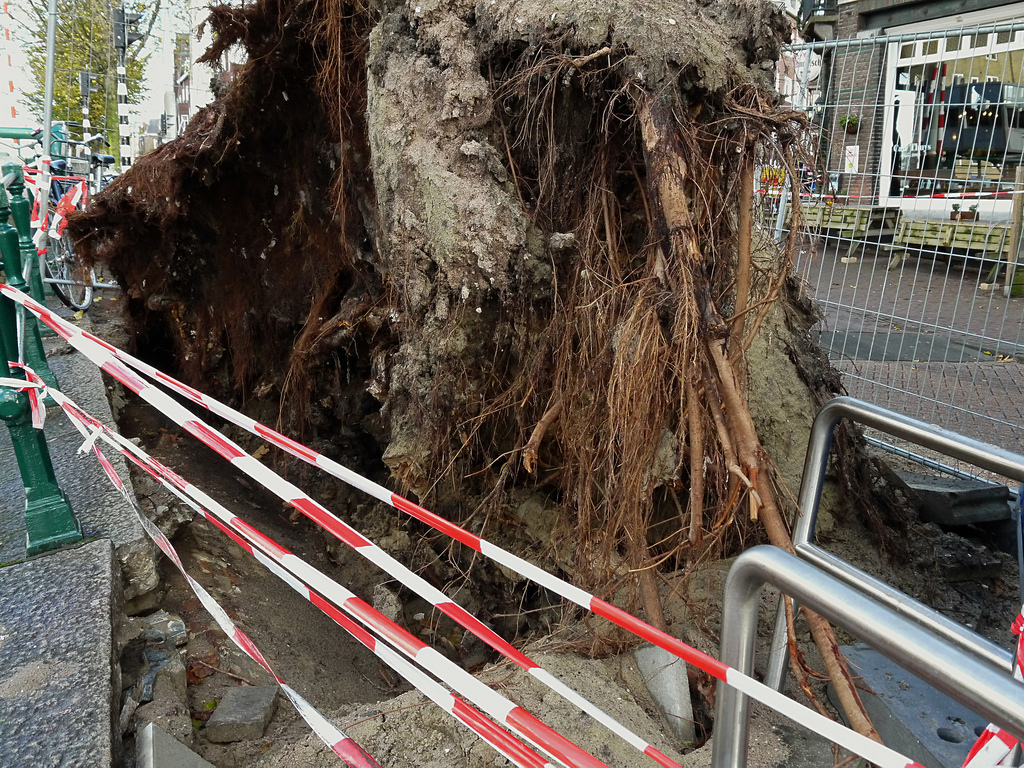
(49, 521)
(35, 356)
(21, 212)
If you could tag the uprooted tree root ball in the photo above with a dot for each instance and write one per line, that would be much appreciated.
(506, 249)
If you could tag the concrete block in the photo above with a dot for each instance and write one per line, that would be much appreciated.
(155, 749)
(960, 559)
(242, 714)
(913, 718)
(669, 686)
(957, 501)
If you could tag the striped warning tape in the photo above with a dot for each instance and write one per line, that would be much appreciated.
(67, 203)
(996, 747)
(109, 359)
(343, 746)
(327, 594)
(35, 397)
(77, 191)
(105, 356)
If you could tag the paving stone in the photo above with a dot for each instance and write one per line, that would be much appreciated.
(162, 625)
(957, 501)
(155, 749)
(665, 675)
(57, 693)
(242, 714)
(913, 718)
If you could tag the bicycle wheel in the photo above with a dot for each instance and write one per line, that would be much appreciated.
(61, 264)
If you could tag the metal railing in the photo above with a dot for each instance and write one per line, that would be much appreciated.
(972, 680)
(997, 460)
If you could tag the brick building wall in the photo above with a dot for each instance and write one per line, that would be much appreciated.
(857, 88)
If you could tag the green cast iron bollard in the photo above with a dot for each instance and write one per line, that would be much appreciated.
(21, 212)
(35, 357)
(49, 522)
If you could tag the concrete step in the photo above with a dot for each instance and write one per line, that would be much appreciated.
(956, 501)
(56, 668)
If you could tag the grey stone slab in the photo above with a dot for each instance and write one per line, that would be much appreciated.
(56, 659)
(913, 718)
(958, 501)
(242, 714)
(667, 682)
(155, 749)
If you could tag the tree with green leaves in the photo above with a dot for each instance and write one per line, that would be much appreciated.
(84, 43)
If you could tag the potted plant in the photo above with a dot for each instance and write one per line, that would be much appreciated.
(969, 215)
(849, 123)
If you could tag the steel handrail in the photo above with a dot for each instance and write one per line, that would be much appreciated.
(990, 457)
(984, 687)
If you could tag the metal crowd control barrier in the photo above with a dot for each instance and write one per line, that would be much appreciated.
(980, 454)
(986, 687)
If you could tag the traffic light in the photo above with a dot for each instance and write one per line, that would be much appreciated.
(124, 32)
(163, 124)
(85, 84)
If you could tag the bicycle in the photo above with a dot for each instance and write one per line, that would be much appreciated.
(70, 281)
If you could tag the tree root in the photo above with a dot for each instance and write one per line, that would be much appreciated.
(696, 464)
(745, 457)
(533, 445)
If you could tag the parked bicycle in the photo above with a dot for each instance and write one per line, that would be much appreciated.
(72, 283)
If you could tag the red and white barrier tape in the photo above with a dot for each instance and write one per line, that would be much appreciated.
(108, 358)
(104, 356)
(343, 746)
(995, 747)
(67, 203)
(31, 389)
(299, 575)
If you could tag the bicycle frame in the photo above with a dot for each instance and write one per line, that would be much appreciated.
(66, 193)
